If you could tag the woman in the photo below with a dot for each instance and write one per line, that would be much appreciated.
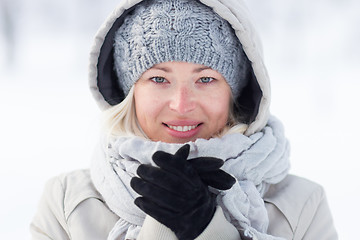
(190, 150)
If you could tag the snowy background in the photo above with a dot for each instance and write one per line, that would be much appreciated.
(49, 122)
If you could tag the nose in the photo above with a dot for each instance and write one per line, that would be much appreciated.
(183, 100)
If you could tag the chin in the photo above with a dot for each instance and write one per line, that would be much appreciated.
(183, 140)
(179, 140)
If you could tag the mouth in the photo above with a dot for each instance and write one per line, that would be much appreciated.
(182, 128)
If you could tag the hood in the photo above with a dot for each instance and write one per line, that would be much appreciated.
(255, 98)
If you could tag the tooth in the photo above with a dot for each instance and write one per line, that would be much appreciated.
(182, 128)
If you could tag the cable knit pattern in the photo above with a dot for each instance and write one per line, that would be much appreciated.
(255, 161)
(178, 30)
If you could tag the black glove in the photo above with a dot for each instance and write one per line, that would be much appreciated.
(177, 194)
(210, 173)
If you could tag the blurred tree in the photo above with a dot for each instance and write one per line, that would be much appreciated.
(8, 31)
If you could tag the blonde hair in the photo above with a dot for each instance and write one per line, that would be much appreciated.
(120, 120)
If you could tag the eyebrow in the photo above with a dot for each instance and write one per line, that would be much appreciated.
(196, 70)
(165, 69)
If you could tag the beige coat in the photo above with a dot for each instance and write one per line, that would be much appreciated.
(71, 208)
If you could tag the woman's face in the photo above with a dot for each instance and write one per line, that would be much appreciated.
(178, 102)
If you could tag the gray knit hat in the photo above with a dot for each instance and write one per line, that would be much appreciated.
(178, 30)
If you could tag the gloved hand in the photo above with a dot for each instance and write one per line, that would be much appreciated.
(177, 194)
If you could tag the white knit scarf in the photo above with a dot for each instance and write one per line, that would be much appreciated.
(255, 161)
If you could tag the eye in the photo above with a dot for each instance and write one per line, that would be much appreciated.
(206, 79)
(158, 79)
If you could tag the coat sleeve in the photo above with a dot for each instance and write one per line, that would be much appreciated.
(315, 221)
(49, 221)
(218, 229)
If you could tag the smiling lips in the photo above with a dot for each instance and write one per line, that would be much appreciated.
(183, 129)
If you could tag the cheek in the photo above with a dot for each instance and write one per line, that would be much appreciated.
(147, 106)
(221, 114)
(140, 105)
(219, 105)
